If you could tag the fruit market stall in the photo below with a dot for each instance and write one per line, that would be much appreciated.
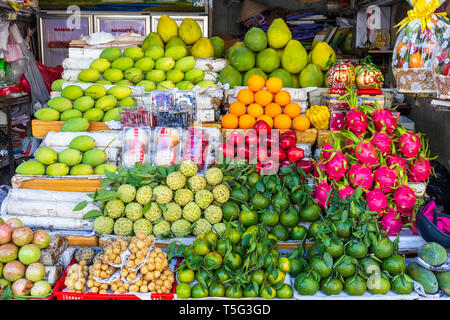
(172, 166)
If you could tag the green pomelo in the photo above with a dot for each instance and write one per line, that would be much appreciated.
(167, 28)
(82, 143)
(255, 39)
(232, 48)
(57, 169)
(294, 57)
(185, 64)
(101, 65)
(229, 75)
(189, 31)
(75, 125)
(57, 85)
(89, 75)
(165, 64)
(156, 76)
(173, 42)
(268, 60)
(31, 167)
(278, 34)
(203, 48)
(153, 39)
(94, 157)
(295, 80)
(71, 157)
(134, 53)
(113, 75)
(219, 46)
(94, 115)
(311, 76)
(60, 104)
(47, 114)
(69, 114)
(113, 114)
(176, 52)
(284, 76)
(46, 155)
(120, 92)
(122, 63)
(155, 52)
(84, 103)
(175, 75)
(145, 64)
(194, 75)
(242, 59)
(81, 170)
(111, 54)
(147, 84)
(96, 91)
(105, 167)
(72, 92)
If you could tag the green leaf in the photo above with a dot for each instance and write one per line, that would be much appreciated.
(180, 249)
(260, 186)
(6, 293)
(80, 206)
(106, 195)
(328, 259)
(171, 246)
(92, 214)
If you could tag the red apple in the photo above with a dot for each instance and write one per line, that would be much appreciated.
(278, 154)
(262, 154)
(251, 138)
(287, 142)
(227, 150)
(235, 138)
(261, 127)
(243, 152)
(289, 133)
(295, 154)
(306, 165)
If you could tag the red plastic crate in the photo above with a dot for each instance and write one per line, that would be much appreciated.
(60, 295)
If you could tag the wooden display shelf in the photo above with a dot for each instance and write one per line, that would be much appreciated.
(63, 183)
(41, 128)
(82, 241)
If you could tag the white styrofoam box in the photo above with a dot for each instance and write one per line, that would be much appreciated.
(205, 102)
(407, 123)
(86, 53)
(77, 63)
(208, 64)
(70, 75)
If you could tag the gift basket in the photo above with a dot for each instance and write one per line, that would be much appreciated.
(441, 65)
(419, 32)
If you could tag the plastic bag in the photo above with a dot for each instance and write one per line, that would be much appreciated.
(413, 52)
(441, 65)
(48, 74)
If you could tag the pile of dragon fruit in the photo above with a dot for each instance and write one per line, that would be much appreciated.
(377, 153)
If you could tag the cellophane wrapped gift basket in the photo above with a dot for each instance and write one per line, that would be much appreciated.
(413, 53)
(441, 65)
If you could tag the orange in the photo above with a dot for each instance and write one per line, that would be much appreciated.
(416, 61)
(301, 123)
(256, 82)
(273, 109)
(263, 97)
(255, 110)
(245, 96)
(246, 121)
(237, 108)
(283, 98)
(282, 121)
(230, 121)
(292, 110)
(399, 47)
(266, 119)
(274, 84)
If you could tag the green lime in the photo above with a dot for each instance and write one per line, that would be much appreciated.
(186, 276)
(290, 218)
(188, 251)
(331, 287)
(234, 236)
(296, 196)
(221, 246)
(310, 213)
(240, 194)
(252, 179)
(355, 286)
(378, 285)
(259, 201)
(281, 202)
(250, 292)
(296, 267)
(319, 265)
(201, 247)
(306, 285)
(281, 232)
(395, 265)
(217, 290)
(270, 186)
(221, 275)
(298, 233)
(258, 276)
(315, 249)
(270, 258)
(234, 292)
(284, 264)
(313, 230)
(401, 285)
(212, 261)
(285, 292)
(344, 229)
(279, 276)
(195, 266)
(383, 249)
(198, 292)
(346, 268)
(357, 249)
(335, 248)
(183, 290)
(261, 248)
(230, 211)
(269, 218)
(370, 266)
(248, 218)
(233, 261)
(268, 293)
(211, 237)
(202, 274)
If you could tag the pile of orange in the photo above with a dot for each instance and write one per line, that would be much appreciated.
(272, 105)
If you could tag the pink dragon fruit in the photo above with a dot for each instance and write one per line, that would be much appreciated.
(356, 121)
(360, 175)
(396, 161)
(322, 192)
(409, 145)
(367, 153)
(376, 200)
(404, 198)
(327, 150)
(320, 166)
(386, 178)
(345, 191)
(419, 170)
(337, 166)
(349, 146)
(391, 222)
(383, 119)
(382, 142)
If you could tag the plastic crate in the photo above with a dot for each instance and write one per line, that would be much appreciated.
(60, 295)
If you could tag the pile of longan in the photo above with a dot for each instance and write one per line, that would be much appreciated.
(157, 272)
(114, 248)
(76, 277)
(101, 269)
(139, 247)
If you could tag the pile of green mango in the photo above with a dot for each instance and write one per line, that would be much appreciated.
(80, 158)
